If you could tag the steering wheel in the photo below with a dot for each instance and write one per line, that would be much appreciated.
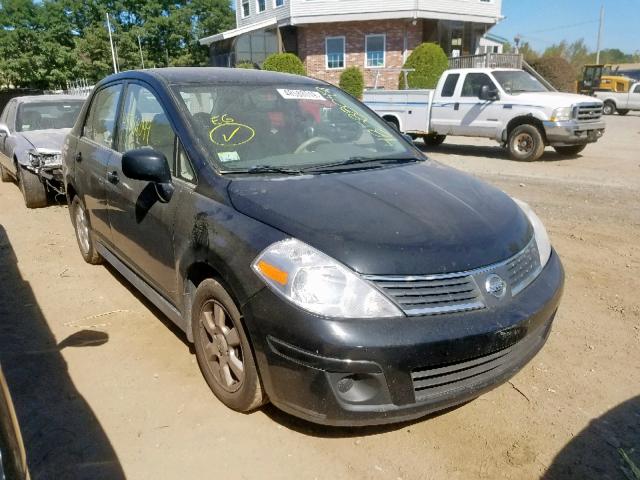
(304, 146)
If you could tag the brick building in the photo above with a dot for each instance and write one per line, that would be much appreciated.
(330, 35)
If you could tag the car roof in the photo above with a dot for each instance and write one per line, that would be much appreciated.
(48, 98)
(208, 75)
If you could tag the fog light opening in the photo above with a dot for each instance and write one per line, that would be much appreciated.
(357, 387)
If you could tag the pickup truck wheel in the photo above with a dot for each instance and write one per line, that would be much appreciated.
(526, 143)
(609, 108)
(223, 350)
(433, 140)
(84, 234)
(5, 176)
(623, 111)
(570, 150)
(33, 190)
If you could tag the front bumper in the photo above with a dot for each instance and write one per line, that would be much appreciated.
(366, 372)
(573, 132)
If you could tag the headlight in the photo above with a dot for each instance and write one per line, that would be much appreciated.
(34, 158)
(562, 114)
(319, 284)
(542, 238)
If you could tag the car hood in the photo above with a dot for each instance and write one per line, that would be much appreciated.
(46, 139)
(409, 220)
(552, 99)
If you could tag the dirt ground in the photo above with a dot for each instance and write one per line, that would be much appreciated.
(124, 397)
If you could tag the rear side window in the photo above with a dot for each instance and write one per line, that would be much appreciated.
(100, 123)
(474, 82)
(450, 84)
(144, 124)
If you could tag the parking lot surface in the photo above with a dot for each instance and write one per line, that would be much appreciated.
(105, 387)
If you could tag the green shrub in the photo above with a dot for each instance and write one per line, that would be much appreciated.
(429, 61)
(245, 64)
(284, 62)
(352, 81)
(557, 71)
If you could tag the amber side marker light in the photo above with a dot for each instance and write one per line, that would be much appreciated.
(274, 273)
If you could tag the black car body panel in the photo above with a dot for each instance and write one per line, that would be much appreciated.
(408, 219)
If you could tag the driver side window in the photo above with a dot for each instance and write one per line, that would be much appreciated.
(637, 89)
(474, 82)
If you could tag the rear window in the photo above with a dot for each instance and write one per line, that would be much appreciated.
(450, 85)
(47, 115)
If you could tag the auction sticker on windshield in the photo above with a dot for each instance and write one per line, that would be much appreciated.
(300, 94)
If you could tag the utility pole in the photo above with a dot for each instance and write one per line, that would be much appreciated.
(141, 56)
(600, 34)
(113, 53)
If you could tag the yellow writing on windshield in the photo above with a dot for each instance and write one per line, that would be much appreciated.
(229, 133)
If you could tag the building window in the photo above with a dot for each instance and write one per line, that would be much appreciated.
(245, 8)
(278, 3)
(335, 52)
(262, 5)
(375, 47)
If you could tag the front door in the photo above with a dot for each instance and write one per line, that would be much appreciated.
(634, 98)
(476, 117)
(141, 225)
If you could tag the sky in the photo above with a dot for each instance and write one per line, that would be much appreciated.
(545, 22)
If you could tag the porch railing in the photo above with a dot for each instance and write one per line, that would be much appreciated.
(487, 60)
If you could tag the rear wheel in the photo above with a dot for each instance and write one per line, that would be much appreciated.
(623, 112)
(570, 150)
(609, 108)
(5, 176)
(33, 190)
(223, 350)
(433, 140)
(84, 234)
(526, 143)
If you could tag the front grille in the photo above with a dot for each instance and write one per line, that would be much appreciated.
(589, 112)
(462, 291)
(524, 268)
(428, 296)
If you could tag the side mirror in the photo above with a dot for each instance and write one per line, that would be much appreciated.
(488, 94)
(4, 129)
(149, 166)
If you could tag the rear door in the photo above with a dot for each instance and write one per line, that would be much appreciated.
(476, 117)
(142, 227)
(95, 150)
(445, 106)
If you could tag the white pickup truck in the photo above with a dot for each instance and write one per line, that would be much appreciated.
(508, 105)
(620, 102)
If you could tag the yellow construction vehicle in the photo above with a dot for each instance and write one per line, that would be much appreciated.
(603, 78)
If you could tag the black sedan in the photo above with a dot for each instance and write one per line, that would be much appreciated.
(314, 256)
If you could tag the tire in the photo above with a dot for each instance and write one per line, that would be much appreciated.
(223, 350)
(609, 108)
(5, 176)
(570, 150)
(33, 190)
(525, 143)
(84, 234)
(623, 112)
(433, 140)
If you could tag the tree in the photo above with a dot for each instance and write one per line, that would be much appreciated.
(284, 62)
(557, 71)
(528, 52)
(352, 81)
(428, 61)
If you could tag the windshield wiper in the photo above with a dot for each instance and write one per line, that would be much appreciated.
(270, 169)
(357, 161)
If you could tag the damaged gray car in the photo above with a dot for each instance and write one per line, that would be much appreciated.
(32, 131)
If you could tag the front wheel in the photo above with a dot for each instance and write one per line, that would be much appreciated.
(609, 108)
(525, 143)
(433, 140)
(223, 350)
(33, 190)
(5, 176)
(84, 234)
(570, 149)
(623, 112)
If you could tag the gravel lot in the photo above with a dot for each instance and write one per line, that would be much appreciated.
(128, 400)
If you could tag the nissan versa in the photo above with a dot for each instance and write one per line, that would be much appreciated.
(313, 255)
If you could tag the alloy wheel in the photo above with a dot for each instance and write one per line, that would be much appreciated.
(82, 229)
(524, 143)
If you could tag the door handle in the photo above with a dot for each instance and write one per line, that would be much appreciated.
(456, 106)
(112, 177)
(78, 157)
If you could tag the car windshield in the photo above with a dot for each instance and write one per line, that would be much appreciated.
(287, 127)
(47, 115)
(518, 81)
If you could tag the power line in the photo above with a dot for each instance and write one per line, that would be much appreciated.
(562, 27)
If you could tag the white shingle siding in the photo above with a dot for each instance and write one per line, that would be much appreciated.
(311, 11)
